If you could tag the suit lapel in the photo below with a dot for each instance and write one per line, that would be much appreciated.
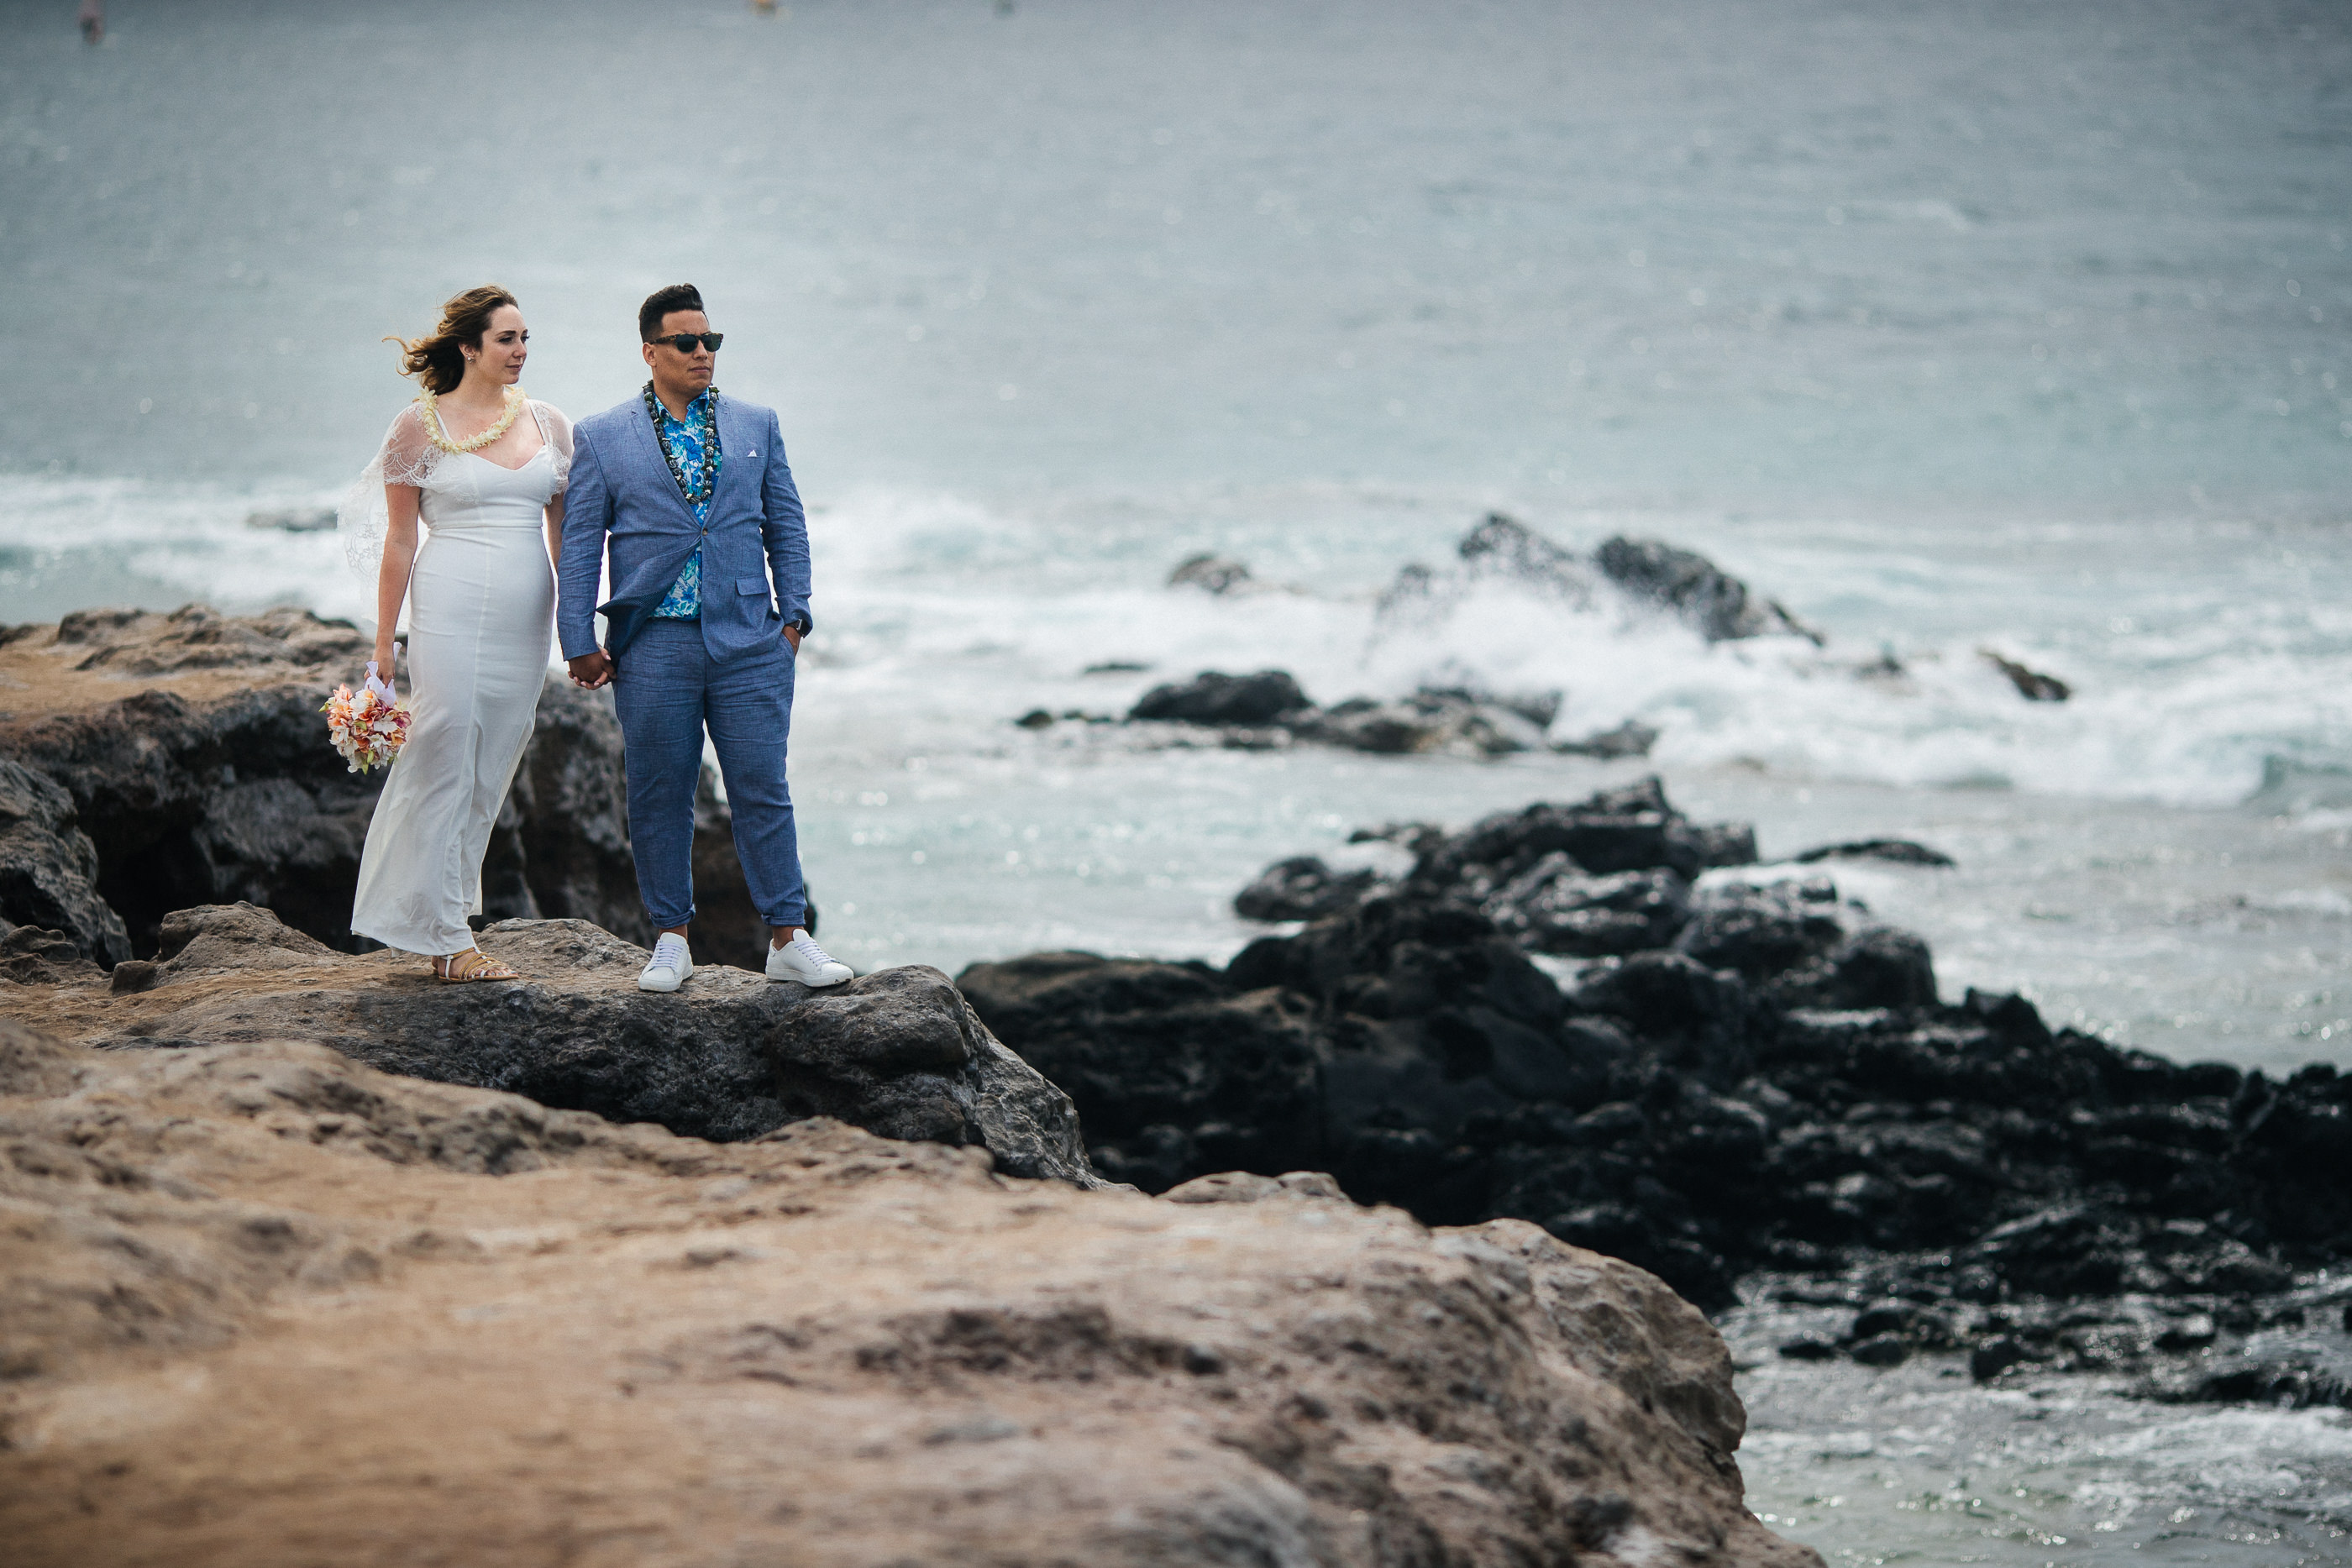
(649, 453)
(736, 458)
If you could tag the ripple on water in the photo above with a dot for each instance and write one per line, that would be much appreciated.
(1917, 1465)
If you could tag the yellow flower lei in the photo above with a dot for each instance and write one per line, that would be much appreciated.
(515, 402)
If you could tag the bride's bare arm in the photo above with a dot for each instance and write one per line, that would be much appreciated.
(555, 528)
(392, 577)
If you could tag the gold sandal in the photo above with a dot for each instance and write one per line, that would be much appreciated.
(473, 964)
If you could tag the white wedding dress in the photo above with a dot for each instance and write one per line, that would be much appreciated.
(481, 605)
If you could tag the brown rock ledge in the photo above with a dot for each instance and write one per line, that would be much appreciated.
(262, 1305)
(730, 1056)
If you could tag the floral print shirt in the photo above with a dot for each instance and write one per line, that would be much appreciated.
(684, 599)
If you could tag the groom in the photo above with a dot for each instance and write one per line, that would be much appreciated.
(691, 490)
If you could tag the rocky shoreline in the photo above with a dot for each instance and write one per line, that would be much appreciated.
(302, 1237)
(1268, 710)
(1583, 1029)
(1743, 1076)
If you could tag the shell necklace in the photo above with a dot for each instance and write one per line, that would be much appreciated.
(433, 427)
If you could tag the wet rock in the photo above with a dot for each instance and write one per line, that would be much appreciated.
(1538, 708)
(2194, 1332)
(1631, 738)
(2070, 1250)
(1185, 1075)
(1881, 1350)
(1267, 711)
(1896, 852)
(1916, 1325)
(2031, 684)
(1361, 724)
(1431, 720)
(730, 1057)
(1503, 547)
(48, 868)
(1212, 698)
(1763, 932)
(1632, 827)
(1768, 1078)
(1554, 907)
(1213, 573)
(1995, 1356)
(1647, 573)
(2288, 1385)
(1302, 888)
(1414, 593)
(1717, 604)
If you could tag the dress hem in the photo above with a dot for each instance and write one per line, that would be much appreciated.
(405, 941)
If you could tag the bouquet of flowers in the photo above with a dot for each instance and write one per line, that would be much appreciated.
(368, 729)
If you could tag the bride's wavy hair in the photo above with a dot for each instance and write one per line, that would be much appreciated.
(440, 357)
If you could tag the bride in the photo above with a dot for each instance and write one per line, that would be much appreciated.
(483, 468)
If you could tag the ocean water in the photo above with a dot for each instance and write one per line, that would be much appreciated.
(1917, 1464)
(1951, 327)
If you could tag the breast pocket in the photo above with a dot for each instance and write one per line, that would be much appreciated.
(747, 586)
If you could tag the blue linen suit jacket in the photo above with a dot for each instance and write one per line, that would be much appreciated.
(622, 491)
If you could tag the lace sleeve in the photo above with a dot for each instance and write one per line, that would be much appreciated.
(407, 457)
(556, 430)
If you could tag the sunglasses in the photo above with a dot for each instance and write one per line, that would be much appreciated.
(684, 343)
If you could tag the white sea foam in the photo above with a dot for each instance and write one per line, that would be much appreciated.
(2182, 708)
(966, 612)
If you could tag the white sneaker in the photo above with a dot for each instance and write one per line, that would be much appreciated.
(670, 968)
(802, 959)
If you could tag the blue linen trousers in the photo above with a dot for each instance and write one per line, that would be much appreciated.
(667, 689)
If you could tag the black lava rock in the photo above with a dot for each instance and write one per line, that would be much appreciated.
(1302, 888)
(1896, 852)
(48, 868)
(1713, 600)
(1212, 698)
(1748, 1078)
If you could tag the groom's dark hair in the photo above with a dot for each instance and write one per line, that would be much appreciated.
(660, 303)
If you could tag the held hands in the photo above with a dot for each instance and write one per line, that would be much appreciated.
(598, 669)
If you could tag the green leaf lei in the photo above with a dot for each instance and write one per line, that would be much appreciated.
(701, 493)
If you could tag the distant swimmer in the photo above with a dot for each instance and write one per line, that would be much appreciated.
(93, 21)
